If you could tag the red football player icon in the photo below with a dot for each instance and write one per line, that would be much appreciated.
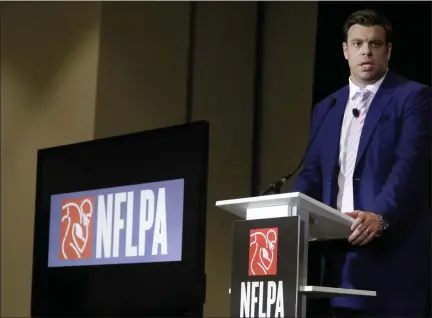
(263, 246)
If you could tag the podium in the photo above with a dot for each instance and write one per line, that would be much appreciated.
(270, 253)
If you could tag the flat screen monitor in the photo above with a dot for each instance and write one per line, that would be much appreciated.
(120, 225)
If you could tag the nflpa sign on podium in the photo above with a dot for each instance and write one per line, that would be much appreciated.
(264, 268)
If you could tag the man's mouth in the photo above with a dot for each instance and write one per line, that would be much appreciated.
(367, 66)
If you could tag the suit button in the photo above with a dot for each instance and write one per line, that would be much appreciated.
(357, 179)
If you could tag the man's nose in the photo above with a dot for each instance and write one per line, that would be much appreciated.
(366, 50)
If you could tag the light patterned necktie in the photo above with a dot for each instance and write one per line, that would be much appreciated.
(354, 133)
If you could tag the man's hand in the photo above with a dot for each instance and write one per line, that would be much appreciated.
(365, 227)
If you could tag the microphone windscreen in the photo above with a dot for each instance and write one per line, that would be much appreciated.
(355, 112)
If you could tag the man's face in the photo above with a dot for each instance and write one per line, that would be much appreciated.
(367, 53)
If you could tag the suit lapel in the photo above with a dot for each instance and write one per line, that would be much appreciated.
(376, 109)
(334, 129)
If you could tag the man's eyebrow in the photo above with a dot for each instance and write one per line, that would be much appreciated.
(370, 41)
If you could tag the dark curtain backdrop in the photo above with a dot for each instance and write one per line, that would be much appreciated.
(411, 57)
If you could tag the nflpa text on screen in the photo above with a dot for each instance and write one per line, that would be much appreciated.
(130, 224)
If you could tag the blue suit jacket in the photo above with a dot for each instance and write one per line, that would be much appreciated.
(391, 178)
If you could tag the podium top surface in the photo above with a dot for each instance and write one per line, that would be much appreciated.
(324, 217)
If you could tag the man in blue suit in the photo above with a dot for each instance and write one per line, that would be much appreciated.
(371, 160)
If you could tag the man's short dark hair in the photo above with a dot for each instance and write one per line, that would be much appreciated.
(368, 18)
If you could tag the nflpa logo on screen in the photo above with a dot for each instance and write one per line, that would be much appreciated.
(76, 228)
(263, 249)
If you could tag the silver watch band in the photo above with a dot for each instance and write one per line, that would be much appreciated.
(384, 224)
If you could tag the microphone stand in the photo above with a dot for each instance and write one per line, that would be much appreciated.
(275, 188)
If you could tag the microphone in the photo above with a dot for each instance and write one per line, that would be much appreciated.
(276, 187)
(355, 112)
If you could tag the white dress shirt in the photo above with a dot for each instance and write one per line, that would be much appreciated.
(345, 197)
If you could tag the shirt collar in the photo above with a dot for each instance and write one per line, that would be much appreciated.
(353, 88)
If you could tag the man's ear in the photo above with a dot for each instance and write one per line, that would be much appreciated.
(345, 50)
(389, 50)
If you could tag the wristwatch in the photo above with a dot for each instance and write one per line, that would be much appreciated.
(384, 224)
